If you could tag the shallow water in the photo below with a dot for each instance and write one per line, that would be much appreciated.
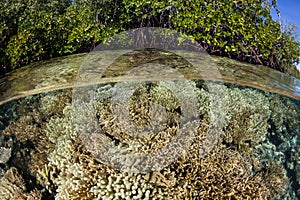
(60, 73)
(160, 137)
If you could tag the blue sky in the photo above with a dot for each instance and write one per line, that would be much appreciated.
(290, 11)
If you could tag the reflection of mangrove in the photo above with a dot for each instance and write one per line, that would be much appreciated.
(124, 64)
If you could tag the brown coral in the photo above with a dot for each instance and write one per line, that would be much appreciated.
(275, 179)
(248, 113)
(204, 171)
(12, 187)
(26, 127)
(222, 174)
(52, 104)
(246, 130)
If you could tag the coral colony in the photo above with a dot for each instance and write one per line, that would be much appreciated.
(247, 161)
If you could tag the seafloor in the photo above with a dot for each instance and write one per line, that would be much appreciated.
(253, 154)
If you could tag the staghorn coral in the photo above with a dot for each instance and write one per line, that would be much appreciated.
(283, 139)
(284, 117)
(248, 114)
(165, 97)
(275, 179)
(26, 127)
(76, 174)
(35, 113)
(225, 174)
(12, 187)
(245, 114)
(29, 129)
(73, 170)
(5, 154)
(73, 173)
(53, 103)
(79, 176)
(32, 147)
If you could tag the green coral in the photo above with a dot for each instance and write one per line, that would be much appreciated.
(284, 116)
(53, 103)
(284, 133)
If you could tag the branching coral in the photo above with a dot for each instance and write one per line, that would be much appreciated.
(53, 103)
(248, 113)
(283, 134)
(275, 179)
(29, 129)
(12, 187)
(26, 127)
(245, 114)
(33, 146)
(209, 167)
(284, 116)
(222, 173)
(225, 174)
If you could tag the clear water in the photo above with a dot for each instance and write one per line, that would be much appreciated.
(157, 136)
(256, 150)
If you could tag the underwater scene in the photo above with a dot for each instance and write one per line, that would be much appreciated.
(151, 124)
(255, 155)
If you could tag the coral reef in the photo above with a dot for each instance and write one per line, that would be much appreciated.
(5, 154)
(12, 187)
(28, 144)
(244, 159)
(284, 118)
(275, 179)
(283, 145)
(78, 176)
(74, 173)
(248, 113)
(26, 127)
(53, 103)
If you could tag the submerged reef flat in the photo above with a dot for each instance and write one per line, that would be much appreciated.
(255, 154)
